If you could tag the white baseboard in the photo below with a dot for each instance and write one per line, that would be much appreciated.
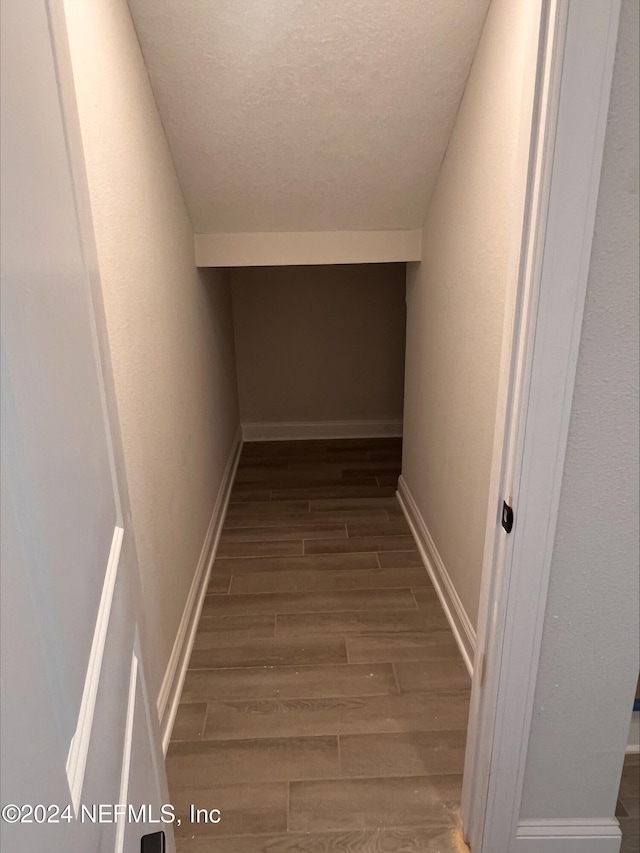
(459, 621)
(568, 836)
(172, 683)
(301, 430)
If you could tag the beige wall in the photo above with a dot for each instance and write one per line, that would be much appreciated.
(169, 327)
(321, 343)
(455, 296)
(301, 248)
(590, 656)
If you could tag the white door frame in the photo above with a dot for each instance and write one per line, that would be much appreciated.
(543, 321)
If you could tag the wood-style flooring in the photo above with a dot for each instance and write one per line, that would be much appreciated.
(325, 705)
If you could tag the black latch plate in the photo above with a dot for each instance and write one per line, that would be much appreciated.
(507, 517)
(153, 843)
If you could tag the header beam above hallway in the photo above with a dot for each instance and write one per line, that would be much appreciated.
(307, 248)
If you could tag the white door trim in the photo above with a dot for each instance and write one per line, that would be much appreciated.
(79, 747)
(126, 750)
(537, 379)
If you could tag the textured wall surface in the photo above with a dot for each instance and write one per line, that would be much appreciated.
(590, 656)
(308, 116)
(320, 343)
(169, 326)
(455, 297)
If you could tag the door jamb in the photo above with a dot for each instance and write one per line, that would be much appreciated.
(537, 377)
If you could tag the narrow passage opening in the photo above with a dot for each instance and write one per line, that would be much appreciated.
(326, 700)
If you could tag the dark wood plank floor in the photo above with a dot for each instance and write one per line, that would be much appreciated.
(325, 705)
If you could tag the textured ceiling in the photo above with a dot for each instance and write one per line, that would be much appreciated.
(305, 115)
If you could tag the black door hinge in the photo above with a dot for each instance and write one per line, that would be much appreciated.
(507, 516)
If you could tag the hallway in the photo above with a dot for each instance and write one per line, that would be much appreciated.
(325, 704)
